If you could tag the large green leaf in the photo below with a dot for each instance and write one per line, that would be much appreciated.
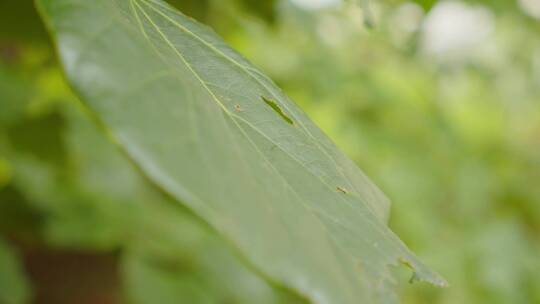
(173, 259)
(81, 193)
(216, 134)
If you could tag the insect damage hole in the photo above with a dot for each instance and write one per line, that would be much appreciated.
(272, 104)
(342, 190)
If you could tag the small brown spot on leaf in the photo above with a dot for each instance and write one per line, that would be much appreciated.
(238, 108)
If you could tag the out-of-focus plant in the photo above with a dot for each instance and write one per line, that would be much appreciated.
(448, 128)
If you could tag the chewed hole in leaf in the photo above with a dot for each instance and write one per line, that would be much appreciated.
(407, 264)
(341, 189)
(272, 104)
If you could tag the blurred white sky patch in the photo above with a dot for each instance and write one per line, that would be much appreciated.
(316, 4)
(530, 7)
(456, 31)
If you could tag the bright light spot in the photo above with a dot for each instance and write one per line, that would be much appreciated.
(316, 4)
(454, 29)
(531, 7)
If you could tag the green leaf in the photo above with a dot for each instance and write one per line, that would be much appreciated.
(168, 256)
(191, 113)
(175, 259)
(14, 95)
(14, 287)
(99, 202)
(22, 13)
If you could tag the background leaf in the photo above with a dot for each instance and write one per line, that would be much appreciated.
(14, 285)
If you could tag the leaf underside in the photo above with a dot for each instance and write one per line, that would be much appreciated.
(217, 135)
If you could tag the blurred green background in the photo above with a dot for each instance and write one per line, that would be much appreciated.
(439, 103)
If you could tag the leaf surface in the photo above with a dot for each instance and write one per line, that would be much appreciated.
(90, 197)
(216, 134)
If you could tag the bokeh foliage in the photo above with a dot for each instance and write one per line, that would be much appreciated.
(454, 143)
